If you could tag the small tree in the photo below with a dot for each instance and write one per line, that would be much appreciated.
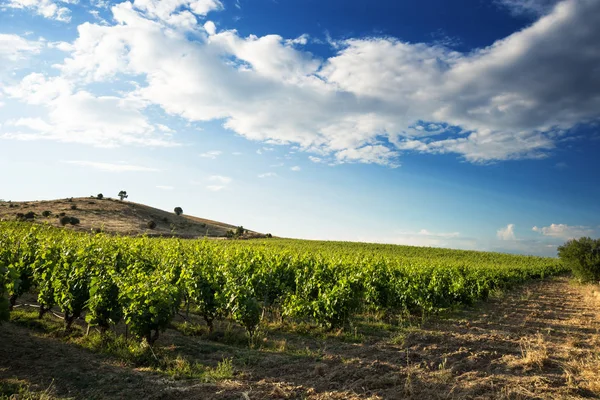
(583, 257)
(46, 213)
(178, 210)
(100, 196)
(123, 195)
(239, 231)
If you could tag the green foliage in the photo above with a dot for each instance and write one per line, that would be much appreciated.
(100, 196)
(64, 220)
(46, 213)
(151, 224)
(122, 195)
(178, 210)
(582, 256)
(239, 231)
(147, 281)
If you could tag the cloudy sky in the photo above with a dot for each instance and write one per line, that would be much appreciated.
(468, 124)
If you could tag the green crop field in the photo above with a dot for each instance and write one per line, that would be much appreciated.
(145, 282)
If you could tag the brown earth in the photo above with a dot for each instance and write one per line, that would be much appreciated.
(114, 216)
(541, 341)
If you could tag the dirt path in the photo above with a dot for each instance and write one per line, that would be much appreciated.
(539, 342)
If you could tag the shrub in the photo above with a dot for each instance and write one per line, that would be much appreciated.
(151, 224)
(178, 210)
(46, 213)
(123, 195)
(583, 257)
(100, 196)
(268, 236)
(74, 221)
(74, 207)
(62, 214)
(64, 220)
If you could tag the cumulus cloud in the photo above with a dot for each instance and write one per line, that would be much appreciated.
(14, 47)
(46, 8)
(79, 116)
(110, 167)
(296, 168)
(514, 99)
(507, 233)
(564, 231)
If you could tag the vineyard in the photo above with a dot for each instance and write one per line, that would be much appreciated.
(145, 282)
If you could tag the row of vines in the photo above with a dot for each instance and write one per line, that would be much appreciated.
(145, 282)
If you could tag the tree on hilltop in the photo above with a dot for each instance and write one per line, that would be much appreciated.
(123, 195)
(178, 210)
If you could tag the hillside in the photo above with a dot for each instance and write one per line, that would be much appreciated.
(114, 216)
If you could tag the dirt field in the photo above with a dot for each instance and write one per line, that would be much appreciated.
(541, 341)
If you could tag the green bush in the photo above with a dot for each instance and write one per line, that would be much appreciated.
(46, 214)
(151, 224)
(64, 220)
(583, 257)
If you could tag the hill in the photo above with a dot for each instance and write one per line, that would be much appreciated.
(114, 216)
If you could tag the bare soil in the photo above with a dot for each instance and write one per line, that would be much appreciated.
(541, 341)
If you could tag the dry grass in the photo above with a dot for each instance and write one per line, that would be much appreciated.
(114, 216)
(541, 342)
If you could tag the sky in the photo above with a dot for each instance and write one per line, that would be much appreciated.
(471, 124)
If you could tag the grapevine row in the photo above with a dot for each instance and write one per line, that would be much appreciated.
(145, 282)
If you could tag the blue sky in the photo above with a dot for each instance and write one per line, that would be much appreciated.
(467, 124)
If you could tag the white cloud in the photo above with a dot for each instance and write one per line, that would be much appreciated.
(296, 168)
(179, 13)
(528, 7)
(109, 167)
(507, 233)
(79, 116)
(564, 231)
(221, 179)
(47, 8)
(216, 188)
(14, 47)
(213, 154)
(267, 175)
(514, 99)
(164, 187)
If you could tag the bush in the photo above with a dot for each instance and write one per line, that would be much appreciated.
(62, 214)
(100, 196)
(268, 236)
(64, 220)
(74, 207)
(74, 221)
(178, 210)
(46, 213)
(583, 257)
(151, 224)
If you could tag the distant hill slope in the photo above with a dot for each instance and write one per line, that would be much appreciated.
(114, 216)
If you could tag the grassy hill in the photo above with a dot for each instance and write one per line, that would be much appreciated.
(114, 216)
